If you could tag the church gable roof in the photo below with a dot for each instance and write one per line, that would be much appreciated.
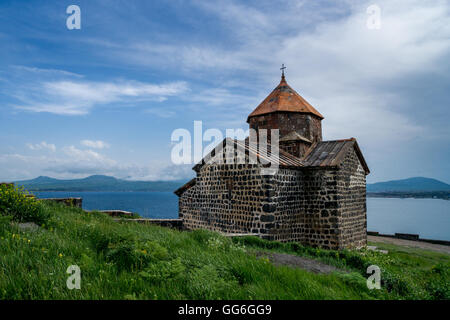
(185, 187)
(294, 136)
(284, 159)
(284, 99)
(332, 153)
(325, 154)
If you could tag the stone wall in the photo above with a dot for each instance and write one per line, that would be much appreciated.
(169, 223)
(71, 202)
(307, 125)
(225, 198)
(323, 207)
(352, 199)
(320, 207)
(306, 207)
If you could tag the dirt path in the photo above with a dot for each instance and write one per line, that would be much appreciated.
(409, 243)
(284, 259)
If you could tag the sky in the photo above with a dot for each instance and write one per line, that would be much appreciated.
(106, 98)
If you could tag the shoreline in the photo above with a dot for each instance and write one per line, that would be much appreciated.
(407, 196)
(369, 195)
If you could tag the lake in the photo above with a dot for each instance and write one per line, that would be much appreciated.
(430, 218)
(147, 204)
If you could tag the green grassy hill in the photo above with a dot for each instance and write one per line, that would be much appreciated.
(128, 260)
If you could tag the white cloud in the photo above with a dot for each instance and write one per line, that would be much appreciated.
(42, 71)
(95, 144)
(76, 163)
(220, 97)
(162, 113)
(41, 146)
(86, 155)
(68, 97)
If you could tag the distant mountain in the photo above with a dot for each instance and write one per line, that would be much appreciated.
(97, 183)
(416, 184)
(107, 183)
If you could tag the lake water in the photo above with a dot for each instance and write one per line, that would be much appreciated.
(430, 218)
(147, 204)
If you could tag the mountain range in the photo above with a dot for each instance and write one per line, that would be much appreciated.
(416, 184)
(97, 183)
(107, 183)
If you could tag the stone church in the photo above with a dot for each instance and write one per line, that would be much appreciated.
(317, 197)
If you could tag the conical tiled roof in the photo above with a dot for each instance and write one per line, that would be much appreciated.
(284, 98)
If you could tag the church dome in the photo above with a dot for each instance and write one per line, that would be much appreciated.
(284, 99)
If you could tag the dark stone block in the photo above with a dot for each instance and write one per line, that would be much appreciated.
(267, 218)
(269, 207)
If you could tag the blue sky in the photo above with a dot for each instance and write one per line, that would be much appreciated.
(105, 99)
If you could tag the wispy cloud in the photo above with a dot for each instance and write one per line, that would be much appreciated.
(79, 97)
(73, 162)
(95, 144)
(44, 71)
(41, 146)
(161, 113)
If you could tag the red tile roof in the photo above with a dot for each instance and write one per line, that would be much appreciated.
(284, 98)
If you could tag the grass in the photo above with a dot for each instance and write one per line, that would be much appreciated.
(128, 260)
(407, 273)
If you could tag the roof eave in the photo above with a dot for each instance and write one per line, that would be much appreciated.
(179, 192)
(282, 111)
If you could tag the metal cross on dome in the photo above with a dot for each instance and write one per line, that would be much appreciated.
(282, 69)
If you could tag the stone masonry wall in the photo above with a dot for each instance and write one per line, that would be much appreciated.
(306, 125)
(352, 198)
(225, 198)
(320, 207)
(306, 207)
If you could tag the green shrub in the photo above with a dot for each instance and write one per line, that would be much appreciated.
(128, 255)
(441, 269)
(354, 279)
(206, 283)
(201, 235)
(5, 222)
(18, 204)
(122, 255)
(439, 289)
(438, 285)
(356, 261)
(252, 241)
(104, 239)
(394, 283)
